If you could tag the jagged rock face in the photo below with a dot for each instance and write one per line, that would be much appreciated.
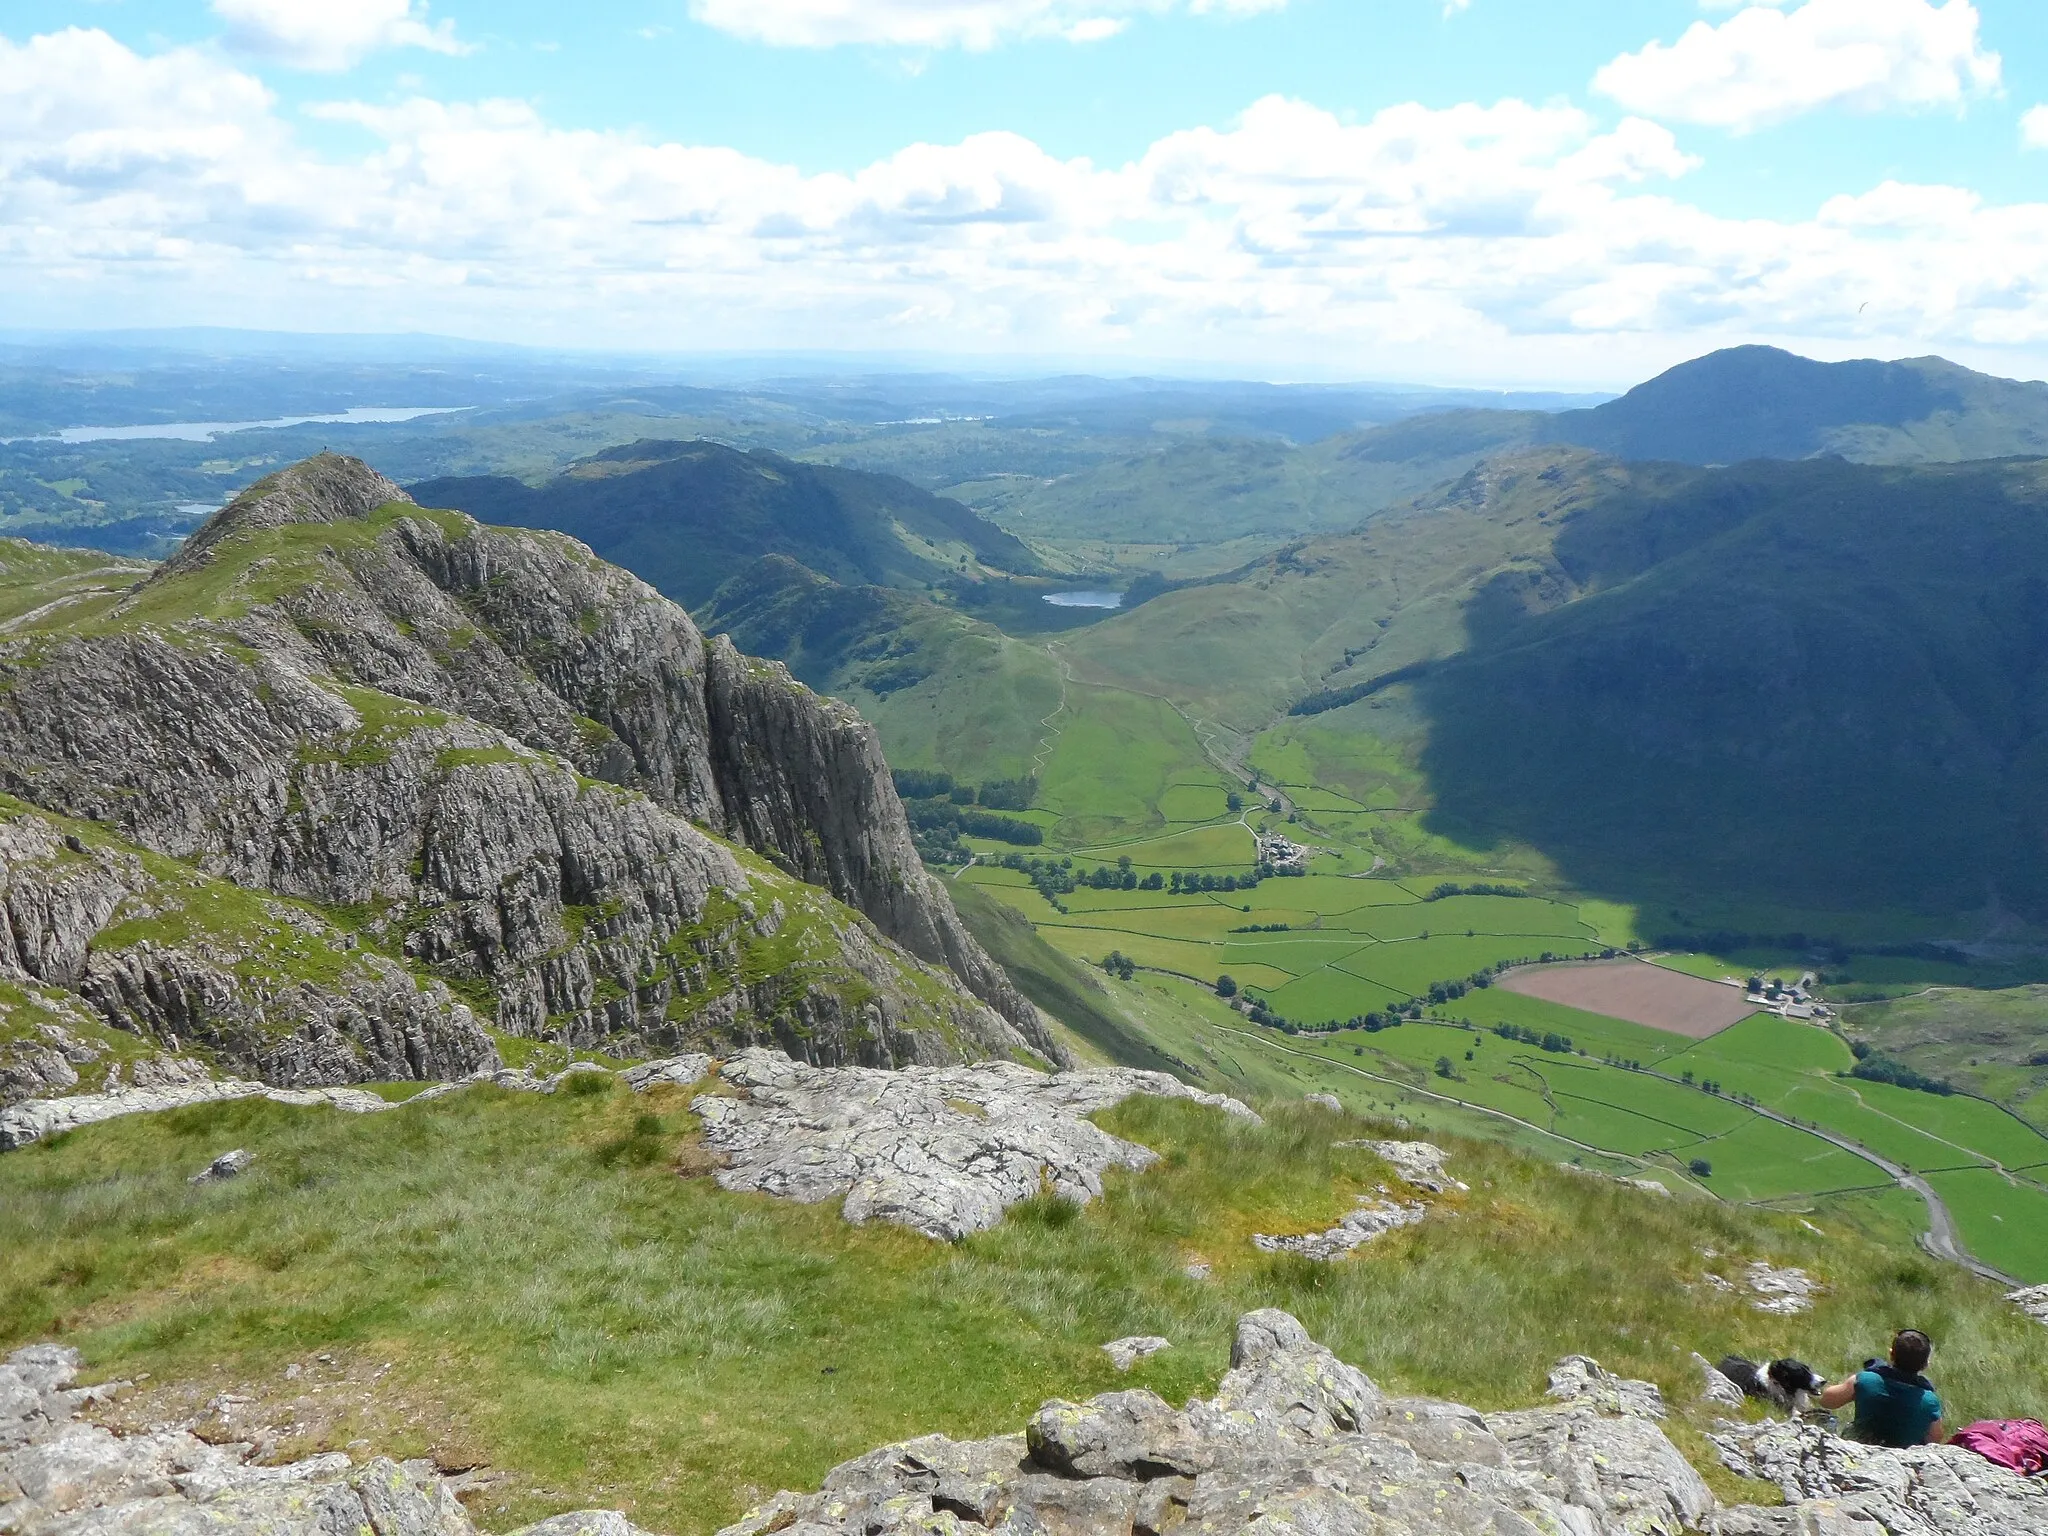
(60, 1476)
(332, 695)
(1297, 1443)
(942, 1151)
(77, 915)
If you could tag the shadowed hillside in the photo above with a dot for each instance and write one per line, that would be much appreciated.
(686, 516)
(1820, 683)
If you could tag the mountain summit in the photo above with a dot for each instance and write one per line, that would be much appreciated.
(1763, 403)
(481, 759)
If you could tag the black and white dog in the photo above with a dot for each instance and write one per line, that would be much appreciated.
(1787, 1385)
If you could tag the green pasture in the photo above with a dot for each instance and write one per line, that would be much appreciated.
(1122, 765)
(2003, 1223)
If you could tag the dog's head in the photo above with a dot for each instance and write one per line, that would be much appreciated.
(1795, 1376)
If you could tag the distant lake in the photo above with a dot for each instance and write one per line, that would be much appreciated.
(1085, 599)
(200, 431)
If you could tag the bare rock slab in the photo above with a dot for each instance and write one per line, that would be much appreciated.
(943, 1150)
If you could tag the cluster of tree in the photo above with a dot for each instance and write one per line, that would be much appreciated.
(936, 784)
(1119, 964)
(1705, 1084)
(1265, 928)
(1195, 884)
(1051, 878)
(1701, 1168)
(930, 815)
(1873, 1066)
(1550, 1040)
(1452, 888)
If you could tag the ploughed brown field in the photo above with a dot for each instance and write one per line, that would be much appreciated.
(1637, 991)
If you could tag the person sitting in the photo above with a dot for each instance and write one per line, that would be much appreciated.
(1895, 1404)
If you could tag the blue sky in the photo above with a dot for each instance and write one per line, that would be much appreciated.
(1543, 191)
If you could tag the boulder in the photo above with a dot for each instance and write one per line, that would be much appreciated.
(1125, 1353)
(229, 1165)
(1419, 1163)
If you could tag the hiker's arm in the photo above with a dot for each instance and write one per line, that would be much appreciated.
(1937, 1432)
(1838, 1394)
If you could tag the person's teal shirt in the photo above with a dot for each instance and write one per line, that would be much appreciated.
(1893, 1408)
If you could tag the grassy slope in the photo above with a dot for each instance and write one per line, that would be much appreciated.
(943, 689)
(551, 1299)
(1991, 1043)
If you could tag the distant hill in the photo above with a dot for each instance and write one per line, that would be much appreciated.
(1158, 508)
(686, 516)
(1764, 403)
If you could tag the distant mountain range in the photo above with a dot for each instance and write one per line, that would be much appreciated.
(1726, 408)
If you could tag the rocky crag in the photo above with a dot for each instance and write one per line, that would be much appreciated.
(348, 780)
(1296, 1442)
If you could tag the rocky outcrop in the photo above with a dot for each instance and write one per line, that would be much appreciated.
(60, 1476)
(21, 1124)
(944, 1151)
(512, 763)
(1372, 1218)
(1419, 1163)
(1835, 1485)
(266, 986)
(2033, 1300)
(1296, 1442)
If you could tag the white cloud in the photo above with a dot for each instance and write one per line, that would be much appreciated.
(1482, 240)
(1764, 65)
(939, 23)
(331, 35)
(2034, 128)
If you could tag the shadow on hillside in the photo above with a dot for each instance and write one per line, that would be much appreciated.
(1778, 688)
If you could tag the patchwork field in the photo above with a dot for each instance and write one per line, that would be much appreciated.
(1382, 971)
(1634, 989)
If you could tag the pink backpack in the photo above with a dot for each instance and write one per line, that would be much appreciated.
(2018, 1444)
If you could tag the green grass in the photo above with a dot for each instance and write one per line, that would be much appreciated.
(552, 1299)
(2003, 1223)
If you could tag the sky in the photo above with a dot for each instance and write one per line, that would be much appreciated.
(1570, 193)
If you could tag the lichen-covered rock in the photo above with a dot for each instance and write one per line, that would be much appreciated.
(510, 762)
(1294, 1443)
(1125, 1353)
(1582, 1379)
(943, 1150)
(1927, 1490)
(63, 1477)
